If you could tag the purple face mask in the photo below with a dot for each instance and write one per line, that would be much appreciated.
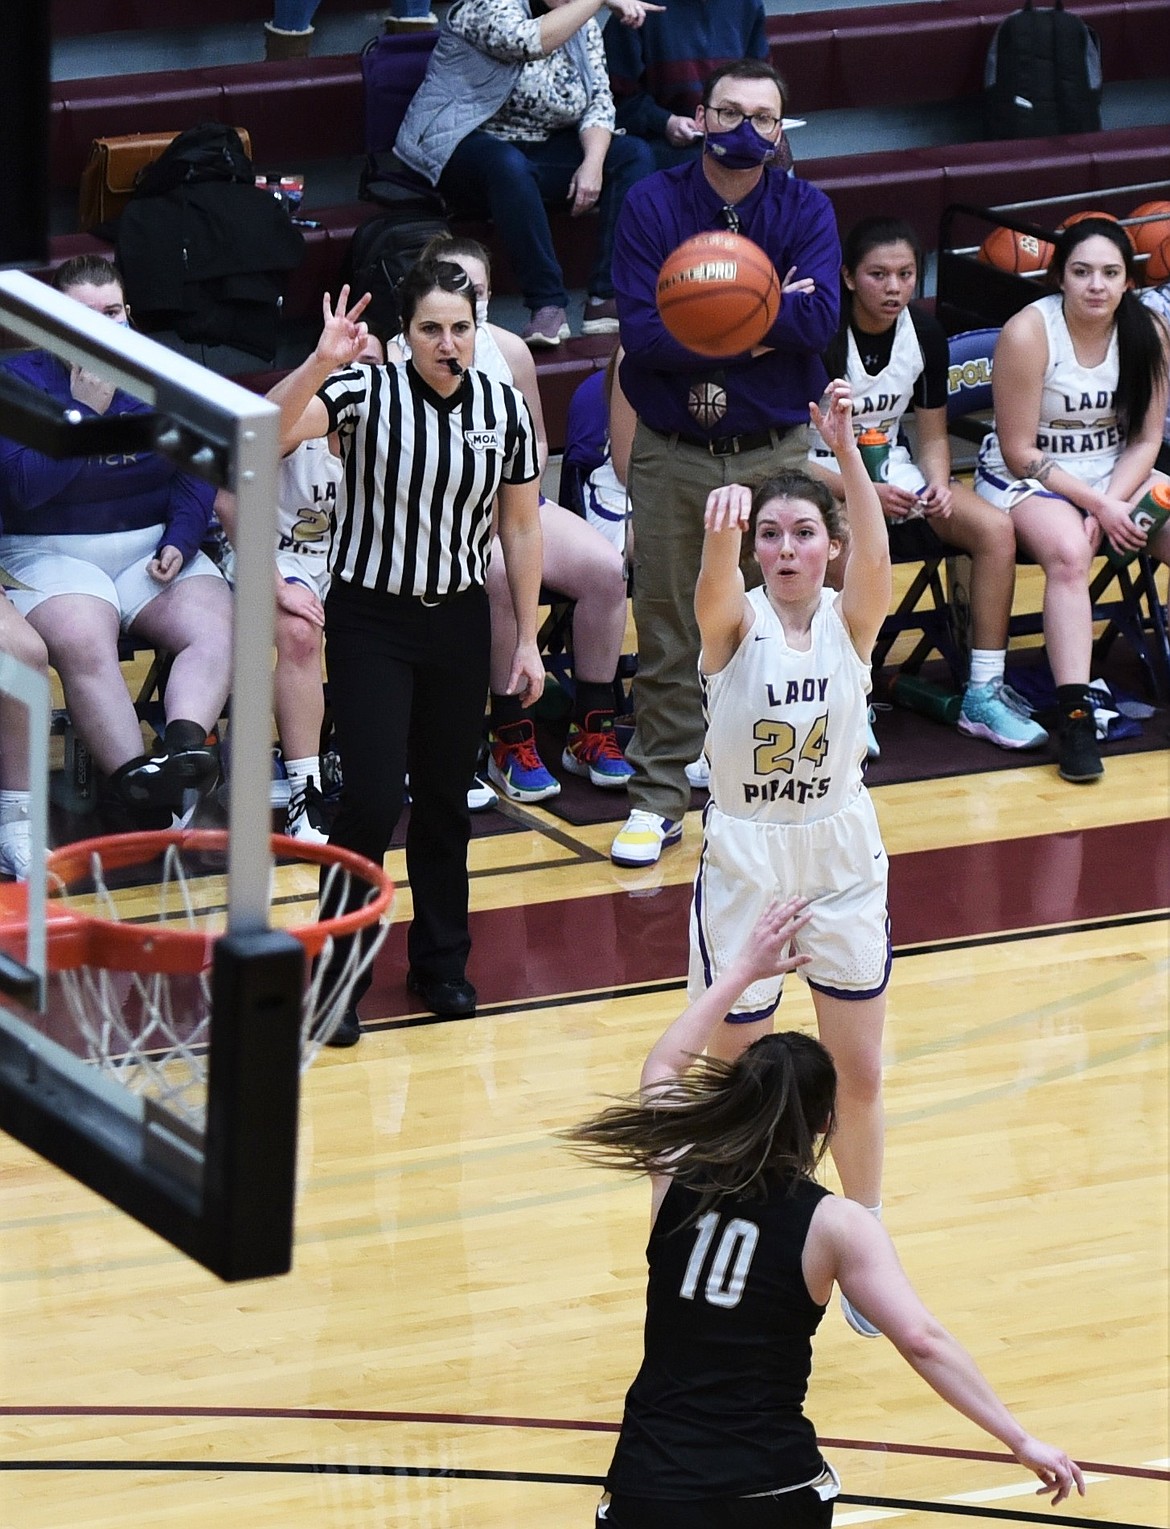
(743, 148)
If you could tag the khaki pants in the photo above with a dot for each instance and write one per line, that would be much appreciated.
(669, 481)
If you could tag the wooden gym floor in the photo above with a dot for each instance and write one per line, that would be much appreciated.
(464, 1314)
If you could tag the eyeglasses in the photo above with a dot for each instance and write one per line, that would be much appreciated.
(729, 118)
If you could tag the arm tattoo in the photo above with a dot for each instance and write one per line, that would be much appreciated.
(1039, 468)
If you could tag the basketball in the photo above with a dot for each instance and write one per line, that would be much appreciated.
(1079, 217)
(1153, 241)
(718, 294)
(1009, 250)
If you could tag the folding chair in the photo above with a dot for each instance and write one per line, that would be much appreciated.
(934, 610)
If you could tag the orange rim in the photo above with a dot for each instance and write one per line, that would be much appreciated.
(80, 939)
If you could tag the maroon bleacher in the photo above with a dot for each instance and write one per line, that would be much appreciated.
(934, 50)
(82, 18)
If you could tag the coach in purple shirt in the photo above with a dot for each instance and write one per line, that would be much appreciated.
(704, 423)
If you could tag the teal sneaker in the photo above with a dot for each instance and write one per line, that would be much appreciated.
(995, 712)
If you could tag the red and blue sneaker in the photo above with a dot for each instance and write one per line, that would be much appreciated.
(515, 766)
(593, 750)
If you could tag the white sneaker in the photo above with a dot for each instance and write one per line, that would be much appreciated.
(643, 838)
(16, 848)
(857, 1322)
(698, 772)
(480, 795)
(305, 819)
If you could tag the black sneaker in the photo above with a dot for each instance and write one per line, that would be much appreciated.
(454, 999)
(1080, 758)
(347, 1032)
(162, 779)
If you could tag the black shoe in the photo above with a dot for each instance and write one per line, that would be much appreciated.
(454, 999)
(348, 1031)
(1080, 758)
(162, 779)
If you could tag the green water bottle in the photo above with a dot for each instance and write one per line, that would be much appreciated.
(930, 700)
(874, 446)
(1150, 514)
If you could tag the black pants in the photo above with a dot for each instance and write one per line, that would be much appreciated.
(407, 685)
(802, 1509)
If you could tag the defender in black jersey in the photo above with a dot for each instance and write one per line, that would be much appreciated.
(744, 1251)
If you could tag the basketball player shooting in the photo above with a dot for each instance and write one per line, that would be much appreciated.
(785, 675)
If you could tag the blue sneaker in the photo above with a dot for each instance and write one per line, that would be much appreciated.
(515, 766)
(593, 750)
(994, 712)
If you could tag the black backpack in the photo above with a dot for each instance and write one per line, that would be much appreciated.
(1043, 75)
(209, 152)
(384, 249)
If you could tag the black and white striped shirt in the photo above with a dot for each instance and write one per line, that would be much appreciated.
(421, 472)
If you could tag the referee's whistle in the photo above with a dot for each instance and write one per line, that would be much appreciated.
(456, 369)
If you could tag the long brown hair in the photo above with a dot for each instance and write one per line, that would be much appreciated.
(725, 1128)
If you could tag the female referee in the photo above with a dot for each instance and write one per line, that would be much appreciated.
(744, 1250)
(426, 446)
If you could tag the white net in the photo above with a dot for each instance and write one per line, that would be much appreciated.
(149, 1029)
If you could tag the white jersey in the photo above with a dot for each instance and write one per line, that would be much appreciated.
(786, 730)
(311, 478)
(880, 401)
(1078, 410)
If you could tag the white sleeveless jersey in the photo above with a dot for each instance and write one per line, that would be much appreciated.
(311, 479)
(880, 401)
(785, 729)
(1078, 407)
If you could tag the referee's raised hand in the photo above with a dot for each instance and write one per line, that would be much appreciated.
(342, 336)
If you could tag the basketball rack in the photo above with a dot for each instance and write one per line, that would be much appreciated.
(971, 294)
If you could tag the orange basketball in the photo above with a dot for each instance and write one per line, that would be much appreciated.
(1153, 241)
(1009, 250)
(1079, 217)
(718, 294)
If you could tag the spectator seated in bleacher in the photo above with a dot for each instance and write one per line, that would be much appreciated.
(577, 562)
(109, 545)
(515, 113)
(657, 71)
(19, 641)
(895, 357)
(1080, 386)
(290, 32)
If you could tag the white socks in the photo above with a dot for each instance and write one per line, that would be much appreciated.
(986, 665)
(300, 772)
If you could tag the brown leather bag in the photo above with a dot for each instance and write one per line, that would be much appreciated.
(107, 182)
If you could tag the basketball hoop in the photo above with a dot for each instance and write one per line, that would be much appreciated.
(132, 923)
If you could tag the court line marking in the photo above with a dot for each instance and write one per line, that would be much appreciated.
(889, 1507)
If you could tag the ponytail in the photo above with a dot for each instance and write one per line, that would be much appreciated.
(725, 1128)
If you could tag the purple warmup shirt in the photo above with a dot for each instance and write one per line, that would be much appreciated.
(83, 496)
(794, 223)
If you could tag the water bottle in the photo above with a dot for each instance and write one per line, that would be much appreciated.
(874, 446)
(1149, 514)
(926, 698)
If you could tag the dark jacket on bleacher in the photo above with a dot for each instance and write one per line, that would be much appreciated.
(209, 261)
